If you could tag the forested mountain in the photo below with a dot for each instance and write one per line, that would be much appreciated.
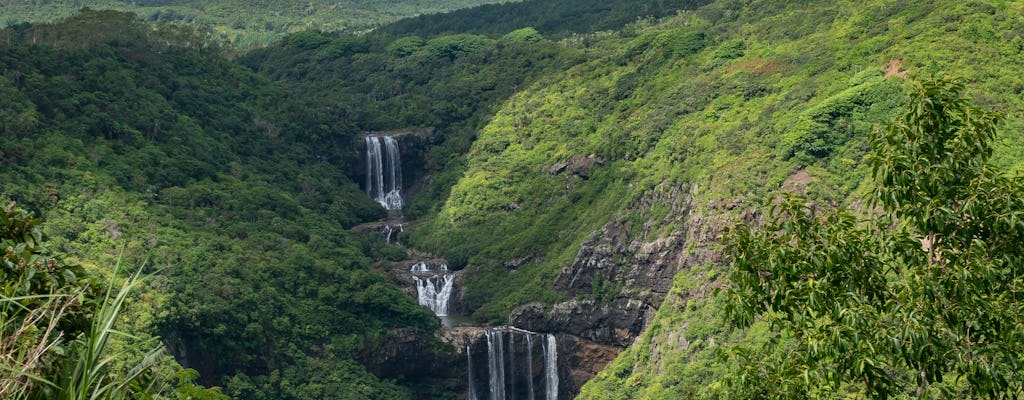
(583, 176)
(553, 18)
(244, 24)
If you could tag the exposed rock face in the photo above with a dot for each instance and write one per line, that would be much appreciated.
(628, 270)
(585, 358)
(579, 166)
(612, 324)
(413, 357)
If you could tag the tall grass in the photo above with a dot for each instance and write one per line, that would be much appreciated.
(89, 375)
(24, 345)
(39, 363)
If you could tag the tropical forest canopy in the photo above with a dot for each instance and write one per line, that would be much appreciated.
(231, 179)
(243, 24)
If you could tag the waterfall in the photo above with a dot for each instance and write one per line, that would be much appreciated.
(469, 361)
(551, 368)
(433, 288)
(496, 364)
(529, 367)
(384, 171)
(390, 231)
(512, 362)
(510, 375)
(419, 267)
(434, 292)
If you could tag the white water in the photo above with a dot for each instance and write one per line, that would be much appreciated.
(469, 361)
(512, 362)
(496, 364)
(529, 366)
(551, 368)
(390, 232)
(505, 372)
(419, 267)
(434, 292)
(384, 171)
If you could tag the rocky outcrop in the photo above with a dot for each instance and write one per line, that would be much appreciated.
(585, 359)
(612, 324)
(622, 274)
(410, 356)
(579, 166)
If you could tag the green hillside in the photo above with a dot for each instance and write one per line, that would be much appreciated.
(235, 177)
(729, 99)
(134, 147)
(244, 24)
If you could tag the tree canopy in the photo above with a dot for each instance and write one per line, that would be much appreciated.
(920, 296)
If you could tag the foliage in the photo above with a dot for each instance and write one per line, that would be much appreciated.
(58, 328)
(243, 24)
(131, 139)
(685, 366)
(921, 300)
(551, 18)
(238, 178)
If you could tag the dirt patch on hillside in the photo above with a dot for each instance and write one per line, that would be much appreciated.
(894, 68)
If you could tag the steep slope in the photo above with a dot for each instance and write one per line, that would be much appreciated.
(135, 146)
(602, 184)
(581, 186)
(557, 18)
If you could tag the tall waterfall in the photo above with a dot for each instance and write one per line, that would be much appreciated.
(384, 171)
(496, 364)
(551, 368)
(469, 361)
(433, 288)
(509, 370)
(529, 366)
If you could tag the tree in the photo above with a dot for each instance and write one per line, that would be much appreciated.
(921, 297)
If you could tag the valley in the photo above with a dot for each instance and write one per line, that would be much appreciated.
(502, 202)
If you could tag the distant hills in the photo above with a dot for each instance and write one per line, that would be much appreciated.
(246, 24)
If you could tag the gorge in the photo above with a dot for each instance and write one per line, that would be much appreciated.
(492, 369)
(472, 207)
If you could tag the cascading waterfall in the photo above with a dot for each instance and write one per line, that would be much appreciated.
(390, 231)
(551, 368)
(384, 171)
(512, 363)
(508, 375)
(419, 267)
(433, 288)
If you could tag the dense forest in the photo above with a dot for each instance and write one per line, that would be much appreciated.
(169, 157)
(757, 179)
(243, 24)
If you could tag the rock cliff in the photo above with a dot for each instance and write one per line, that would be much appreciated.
(621, 275)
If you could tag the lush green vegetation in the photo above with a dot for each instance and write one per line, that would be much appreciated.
(792, 104)
(556, 18)
(922, 300)
(235, 177)
(133, 139)
(58, 329)
(243, 24)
